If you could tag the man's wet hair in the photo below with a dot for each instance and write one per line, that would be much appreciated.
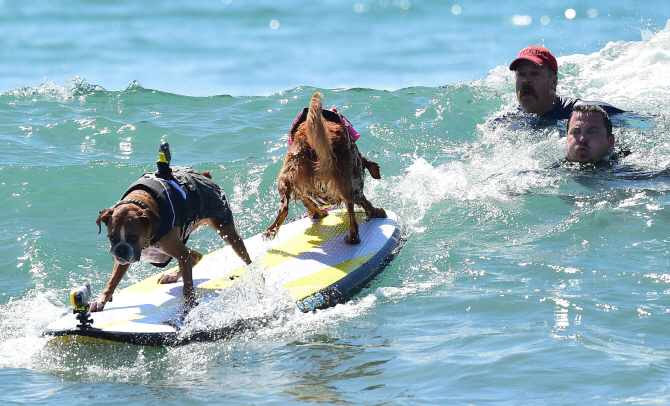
(593, 108)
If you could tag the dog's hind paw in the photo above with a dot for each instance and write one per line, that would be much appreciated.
(168, 278)
(379, 213)
(188, 306)
(352, 240)
(269, 235)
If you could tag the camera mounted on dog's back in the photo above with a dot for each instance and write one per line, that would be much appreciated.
(164, 158)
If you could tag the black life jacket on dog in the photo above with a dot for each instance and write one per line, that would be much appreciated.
(184, 197)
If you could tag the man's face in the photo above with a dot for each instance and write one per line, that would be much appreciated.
(587, 138)
(535, 88)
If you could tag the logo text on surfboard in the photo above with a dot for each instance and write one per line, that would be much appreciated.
(310, 303)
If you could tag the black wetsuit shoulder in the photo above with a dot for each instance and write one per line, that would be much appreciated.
(608, 161)
(564, 106)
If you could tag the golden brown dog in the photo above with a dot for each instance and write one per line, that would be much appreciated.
(324, 167)
(154, 219)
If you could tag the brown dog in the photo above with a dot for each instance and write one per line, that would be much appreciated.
(154, 220)
(324, 167)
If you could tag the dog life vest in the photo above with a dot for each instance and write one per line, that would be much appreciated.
(183, 198)
(330, 115)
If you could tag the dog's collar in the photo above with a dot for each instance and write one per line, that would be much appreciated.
(142, 205)
(135, 201)
(148, 243)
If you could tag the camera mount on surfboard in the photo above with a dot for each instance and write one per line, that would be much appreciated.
(81, 300)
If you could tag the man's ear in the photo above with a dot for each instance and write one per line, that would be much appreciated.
(611, 140)
(554, 81)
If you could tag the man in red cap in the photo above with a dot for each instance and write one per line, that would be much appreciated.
(536, 72)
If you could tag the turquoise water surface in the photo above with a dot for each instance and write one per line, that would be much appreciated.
(516, 284)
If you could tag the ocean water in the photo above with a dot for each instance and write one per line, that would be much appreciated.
(516, 284)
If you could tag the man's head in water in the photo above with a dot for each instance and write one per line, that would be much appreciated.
(590, 135)
(535, 70)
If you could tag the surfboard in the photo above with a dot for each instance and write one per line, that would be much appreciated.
(307, 257)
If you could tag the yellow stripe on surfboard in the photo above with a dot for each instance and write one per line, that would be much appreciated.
(309, 285)
(146, 286)
(116, 323)
(224, 281)
(150, 284)
(325, 230)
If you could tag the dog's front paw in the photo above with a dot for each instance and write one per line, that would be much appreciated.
(269, 235)
(99, 304)
(96, 307)
(168, 278)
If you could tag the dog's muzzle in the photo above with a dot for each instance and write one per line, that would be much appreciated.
(124, 253)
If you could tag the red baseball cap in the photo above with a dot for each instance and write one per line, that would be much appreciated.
(538, 55)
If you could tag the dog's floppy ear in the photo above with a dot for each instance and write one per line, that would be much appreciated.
(104, 217)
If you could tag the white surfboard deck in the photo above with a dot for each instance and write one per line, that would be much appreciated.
(309, 258)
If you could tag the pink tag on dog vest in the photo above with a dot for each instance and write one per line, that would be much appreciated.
(347, 126)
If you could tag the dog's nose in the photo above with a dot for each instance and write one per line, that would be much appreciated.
(121, 250)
